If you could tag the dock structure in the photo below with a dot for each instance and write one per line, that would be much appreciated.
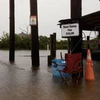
(90, 22)
(34, 33)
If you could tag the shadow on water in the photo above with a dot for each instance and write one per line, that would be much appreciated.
(90, 85)
(35, 68)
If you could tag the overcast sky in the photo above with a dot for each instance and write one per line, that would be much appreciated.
(49, 13)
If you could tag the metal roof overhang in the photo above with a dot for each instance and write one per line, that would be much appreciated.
(87, 22)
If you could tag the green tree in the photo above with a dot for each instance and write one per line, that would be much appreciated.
(22, 42)
(62, 44)
(43, 42)
(4, 41)
(25, 42)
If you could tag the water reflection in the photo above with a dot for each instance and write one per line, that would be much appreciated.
(90, 85)
(22, 81)
(35, 68)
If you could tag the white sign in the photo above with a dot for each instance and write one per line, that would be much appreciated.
(69, 30)
(33, 20)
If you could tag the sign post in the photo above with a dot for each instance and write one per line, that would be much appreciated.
(76, 13)
(34, 33)
(76, 42)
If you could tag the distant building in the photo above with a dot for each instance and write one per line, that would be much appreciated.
(22, 34)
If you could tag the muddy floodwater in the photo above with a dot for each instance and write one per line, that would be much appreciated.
(19, 81)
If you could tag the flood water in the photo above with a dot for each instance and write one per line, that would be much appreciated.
(19, 82)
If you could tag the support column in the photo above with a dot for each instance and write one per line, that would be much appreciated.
(88, 39)
(69, 47)
(76, 42)
(12, 33)
(53, 45)
(76, 13)
(34, 34)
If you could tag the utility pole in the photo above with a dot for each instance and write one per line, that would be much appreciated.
(12, 32)
(34, 33)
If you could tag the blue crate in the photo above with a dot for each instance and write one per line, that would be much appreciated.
(54, 69)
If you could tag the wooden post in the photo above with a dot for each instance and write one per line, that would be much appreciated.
(51, 46)
(88, 38)
(49, 60)
(69, 47)
(76, 13)
(34, 34)
(54, 45)
(76, 42)
(12, 32)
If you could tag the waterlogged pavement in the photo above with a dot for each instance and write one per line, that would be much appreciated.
(19, 82)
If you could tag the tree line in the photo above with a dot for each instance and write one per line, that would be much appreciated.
(24, 42)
